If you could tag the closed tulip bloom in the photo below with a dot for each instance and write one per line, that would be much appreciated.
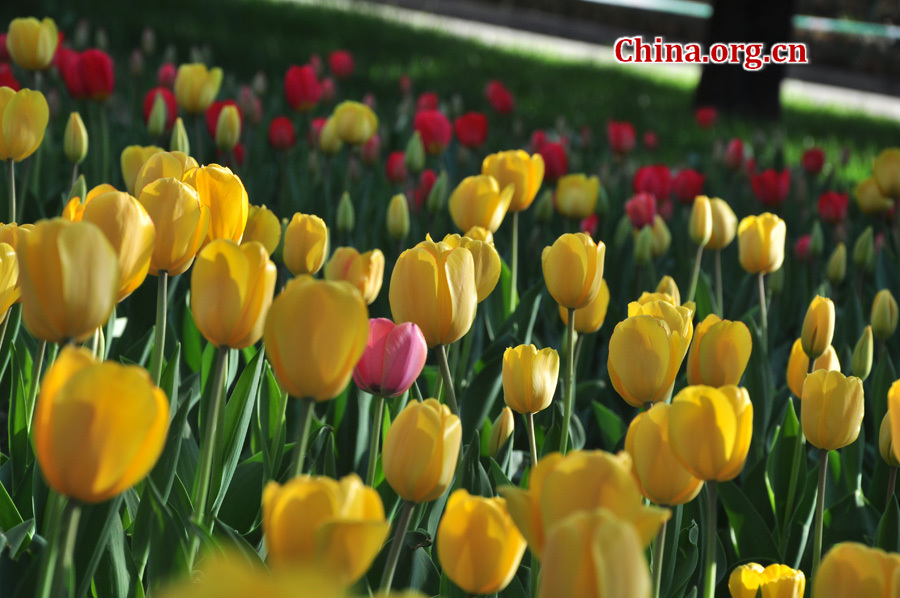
(433, 285)
(334, 317)
(594, 554)
(884, 315)
(761, 243)
(719, 353)
(329, 141)
(162, 165)
(365, 271)
(486, 260)
(851, 570)
(710, 429)
(502, 430)
(420, 451)
(129, 229)
(529, 377)
(393, 359)
(886, 172)
(398, 217)
(9, 278)
(724, 224)
(479, 201)
(228, 128)
(661, 237)
(818, 327)
(700, 227)
(573, 269)
(262, 227)
(181, 223)
(515, 167)
(885, 441)
(196, 87)
(23, 121)
(132, 159)
(305, 244)
(316, 521)
(69, 277)
(667, 285)
(774, 581)
(32, 43)
(576, 195)
(224, 194)
(75, 139)
(836, 269)
(798, 366)
(355, 122)
(870, 199)
(831, 409)
(590, 318)
(893, 413)
(478, 544)
(861, 360)
(99, 427)
(661, 477)
(581, 481)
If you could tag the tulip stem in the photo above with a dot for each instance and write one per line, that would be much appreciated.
(394, 555)
(514, 269)
(697, 261)
(659, 548)
(763, 311)
(104, 144)
(892, 483)
(374, 438)
(448, 381)
(159, 341)
(63, 531)
(532, 443)
(12, 190)
(210, 430)
(820, 508)
(35, 375)
(570, 382)
(720, 303)
(709, 582)
(306, 408)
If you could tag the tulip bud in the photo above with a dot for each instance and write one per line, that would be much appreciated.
(623, 232)
(884, 315)
(849, 570)
(75, 139)
(798, 366)
(719, 353)
(159, 115)
(886, 171)
(837, 265)
(724, 224)
(398, 217)
(816, 240)
(346, 218)
(32, 43)
(576, 195)
(196, 87)
(761, 243)
(355, 122)
(178, 141)
(437, 197)
(543, 211)
(415, 154)
(228, 128)
(701, 223)
(861, 363)
(393, 359)
(573, 288)
(529, 377)
(662, 237)
(329, 141)
(305, 244)
(818, 327)
(643, 243)
(148, 40)
(864, 250)
(886, 442)
(502, 430)
(831, 409)
(29, 112)
(667, 285)
(79, 188)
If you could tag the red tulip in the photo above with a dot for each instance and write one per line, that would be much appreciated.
(665, 208)
(169, 99)
(427, 101)
(650, 141)
(97, 74)
(833, 206)
(166, 74)
(212, 114)
(328, 90)
(341, 63)
(471, 129)
(556, 163)
(500, 98)
(435, 130)
(771, 188)
(393, 358)
(369, 152)
(6, 77)
(589, 225)
(538, 139)
(813, 160)
(687, 185)
(641, 210)
(426, 181)
(656, 180)
(315, 61)
(801, 248)
(706, 116)
(621, 136)
(68, 63)
(395, 167)
(302, 88)
(281, 133)
(4, 51)
(734, 154)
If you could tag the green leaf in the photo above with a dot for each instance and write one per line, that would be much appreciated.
(706, 302)
(97, 522)
(780, 462)
(163, 472)
(753, 539)
(882, 380)
(19, 449)
(16, 537)
(887, 536)
(241, 505)
(170, 380)
(190, 337)
(478, 399)
(139, 352)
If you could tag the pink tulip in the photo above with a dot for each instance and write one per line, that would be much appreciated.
(393, 359)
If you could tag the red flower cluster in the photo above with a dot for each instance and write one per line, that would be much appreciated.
(833, 206)
(471, 129)
(706, 116)
(87, 75)
(687, 185)
(395, 167)
(302, 88)
(771, 187)
(813, 160)
(641, 210)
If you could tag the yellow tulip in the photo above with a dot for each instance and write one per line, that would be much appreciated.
(420, 451)
(831, 409)
(74, 210)
(870, 199)
(354, 122)
(479, 201)
(885, 441)
(332, 320)
(852, 570)
(329, 141)
(661, 237)
(99, 427)
(761, 243)
(724, 224)
(160, 165)
(581, 481)
(262, 227)
(129, 229)
(398, 217)
(700, 227)
(886, 172)
(196, 87)
(515, 167)
(710, 429)
(23, 120)
(32, 43)
(594, 554)
(132, 159)
(479, 233)
(181, 223)
(316, 521)
(529, 377)
(486, 260)
(667, 285)
(228, 128)
(589, 318)
(9, 278)
(231, 291)
(223, 192)
(478, 544)
(818, 327)
(660, 476)
(894, 413)
(884, 315)
(774, 581)
(719, 353)
(305, 244)
(798, 366)
(433, 285)
(365, 271)
(69, 277)
(75, 139)
(573, 269)
(576, 195)
(11, 234)
(501, 431)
